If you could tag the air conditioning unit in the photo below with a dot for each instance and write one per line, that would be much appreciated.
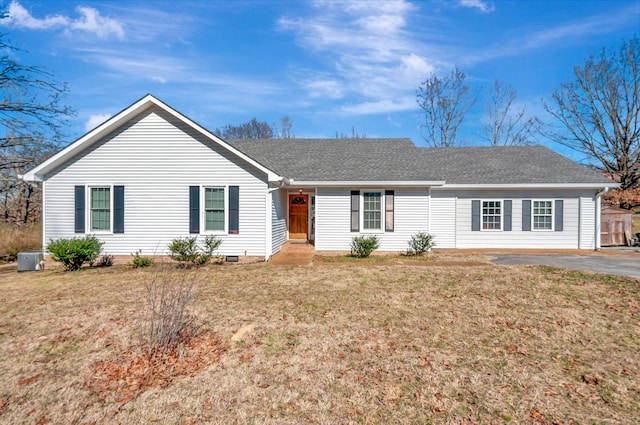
(29, 261)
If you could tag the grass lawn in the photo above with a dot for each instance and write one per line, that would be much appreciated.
(336, 344)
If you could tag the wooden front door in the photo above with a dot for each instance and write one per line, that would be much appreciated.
(298, 216)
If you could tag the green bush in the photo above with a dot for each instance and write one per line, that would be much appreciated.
(420, 243)
(139, 260)
(363, 246)
(187, 251)
(74, 252)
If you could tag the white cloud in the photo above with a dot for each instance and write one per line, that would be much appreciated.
(20, 17)
(482, 6)
(89, 21)
(371, 54)
(324, 88)
(95, 120)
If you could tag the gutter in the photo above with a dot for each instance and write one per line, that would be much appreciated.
(283, 181)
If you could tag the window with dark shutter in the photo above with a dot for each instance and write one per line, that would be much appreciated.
(194, 209)
(526, 215)
(507, 216)
(389, 196)
(475, 215)
(234, 209)
(355, 210)
(559, 212)
(79, 209)
(118, 209)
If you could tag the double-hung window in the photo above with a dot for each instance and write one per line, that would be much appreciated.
(372, 210)
(542, 215)
(100, 211)
(214, 209)
(491, 215)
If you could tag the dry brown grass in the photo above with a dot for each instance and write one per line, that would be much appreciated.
(14, 239)
(337, 345)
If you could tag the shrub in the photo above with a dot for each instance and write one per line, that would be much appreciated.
(106, 260)
(421, 242)
(187, 251)
(162, 320)
(363, 246)
(140, 260)
(74, 252)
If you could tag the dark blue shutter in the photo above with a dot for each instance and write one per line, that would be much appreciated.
(118, 209)
(559, 214)
(388, 210)
(526, 215)
(79, 209)
(507, 216)
(355, 210)
(194, 209)
(475, 215)
(234, 209)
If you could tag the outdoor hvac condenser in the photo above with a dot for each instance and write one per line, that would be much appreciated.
(27, 261)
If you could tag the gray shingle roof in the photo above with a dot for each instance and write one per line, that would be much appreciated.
(401, 160)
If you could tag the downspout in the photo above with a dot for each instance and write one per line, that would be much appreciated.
(268, 224)
(598, 219)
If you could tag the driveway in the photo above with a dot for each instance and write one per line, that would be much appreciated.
(609, 264)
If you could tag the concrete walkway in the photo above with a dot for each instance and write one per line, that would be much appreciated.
(294, 253)
(620, 265)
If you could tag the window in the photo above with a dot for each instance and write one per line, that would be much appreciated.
(372, 210)
(542, 215)
(214, 209)
(491, 215)
(100, 211)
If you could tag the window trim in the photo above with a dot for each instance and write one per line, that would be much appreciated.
(482, 215)
(203, 211)
(381, 229)
(89, 210)
(553, 215)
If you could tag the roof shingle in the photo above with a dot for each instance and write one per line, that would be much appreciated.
(400, 160)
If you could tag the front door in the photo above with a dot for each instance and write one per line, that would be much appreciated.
(298, 216)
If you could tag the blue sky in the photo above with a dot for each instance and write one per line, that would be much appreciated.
(329, 65)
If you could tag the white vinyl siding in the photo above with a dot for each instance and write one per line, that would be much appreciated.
(588, 222)
(157, 158)
(278, 220)
(568, 238)
(443, 219)
(333, 218)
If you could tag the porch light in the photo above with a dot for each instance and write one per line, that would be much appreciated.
(300, 191)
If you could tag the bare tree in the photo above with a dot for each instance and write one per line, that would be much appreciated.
(285, 130)
(599, 112)
(32, 117)
(354, 134)
(506, 123)
(444, 102)
(252, 129)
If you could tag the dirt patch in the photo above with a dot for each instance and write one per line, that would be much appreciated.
(131, 372)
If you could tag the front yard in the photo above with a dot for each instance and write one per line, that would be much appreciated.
(335, 344)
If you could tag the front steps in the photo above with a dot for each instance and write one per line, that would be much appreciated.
(294, 252)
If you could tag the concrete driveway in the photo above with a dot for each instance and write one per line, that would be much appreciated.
(609, 264)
